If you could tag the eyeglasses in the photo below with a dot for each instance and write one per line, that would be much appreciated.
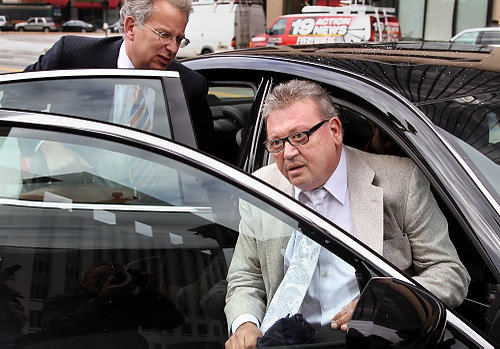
(167, 38)
(295, 139)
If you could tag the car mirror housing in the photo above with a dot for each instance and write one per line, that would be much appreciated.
(394, 313)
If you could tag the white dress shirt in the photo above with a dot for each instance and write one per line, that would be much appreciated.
(333, 284)
(123, 61)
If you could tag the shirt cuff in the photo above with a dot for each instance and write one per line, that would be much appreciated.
(241, 319)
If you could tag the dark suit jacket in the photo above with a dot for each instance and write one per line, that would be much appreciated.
(73, 52)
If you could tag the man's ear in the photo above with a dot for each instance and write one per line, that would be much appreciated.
(129, 27)
(336, 129)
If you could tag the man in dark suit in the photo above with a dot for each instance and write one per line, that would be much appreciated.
(153, 33)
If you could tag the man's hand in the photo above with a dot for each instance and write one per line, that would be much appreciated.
(341, 319)
(244, 337)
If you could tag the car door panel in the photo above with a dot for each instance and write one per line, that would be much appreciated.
(164, 248)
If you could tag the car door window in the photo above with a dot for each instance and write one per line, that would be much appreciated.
(101, 98)
(89, 255)
(490, 38)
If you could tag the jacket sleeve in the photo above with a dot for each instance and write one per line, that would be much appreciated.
(436, 264)
(50, 60)
(246, 292)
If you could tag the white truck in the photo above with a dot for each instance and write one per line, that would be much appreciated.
(222, 25)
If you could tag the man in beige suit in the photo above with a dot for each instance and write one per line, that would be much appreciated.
(385, 201)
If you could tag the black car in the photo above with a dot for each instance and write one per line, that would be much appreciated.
(69, 208)
(113, 28)
(77, 26)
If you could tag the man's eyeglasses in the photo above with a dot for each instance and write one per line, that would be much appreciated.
(167, 38)
(295, 139)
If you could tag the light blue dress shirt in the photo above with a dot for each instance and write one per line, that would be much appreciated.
(333, 284)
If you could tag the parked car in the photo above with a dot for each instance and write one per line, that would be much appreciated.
(76, 25)
(45, 24)
(5, 24)
(113, 28)
(479, 36)
(63, 217)
(331, 24)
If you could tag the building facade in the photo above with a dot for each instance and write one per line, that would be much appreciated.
(419, 19)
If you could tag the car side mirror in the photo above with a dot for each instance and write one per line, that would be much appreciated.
(394, 313)
(268, 31)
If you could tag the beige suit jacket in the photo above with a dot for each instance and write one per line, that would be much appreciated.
(394, 212)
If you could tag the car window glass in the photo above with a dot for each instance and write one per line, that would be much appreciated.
(490, 37)
(279, 27)
(468, 38)
(95, 257)
(477, 130)
(487, 169)
(139, 103)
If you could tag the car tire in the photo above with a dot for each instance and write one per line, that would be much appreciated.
(21, 29)
(46, 30)
(206, 51)
(84, 30)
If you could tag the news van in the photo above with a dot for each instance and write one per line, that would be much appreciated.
(329, 24)
(222, 25)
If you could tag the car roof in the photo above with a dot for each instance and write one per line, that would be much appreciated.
(483, 29)
(462, 65)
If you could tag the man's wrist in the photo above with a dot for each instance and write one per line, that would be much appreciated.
(243, 318)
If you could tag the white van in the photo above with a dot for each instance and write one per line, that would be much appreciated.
(222, 25)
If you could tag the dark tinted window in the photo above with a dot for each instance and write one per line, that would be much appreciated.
(490, 38)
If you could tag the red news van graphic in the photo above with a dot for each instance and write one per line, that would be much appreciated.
(360, 23)
(324, 29)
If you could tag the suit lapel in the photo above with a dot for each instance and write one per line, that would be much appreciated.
(367, 207)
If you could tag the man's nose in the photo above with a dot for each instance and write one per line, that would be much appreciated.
(289, 151)
(173, 46)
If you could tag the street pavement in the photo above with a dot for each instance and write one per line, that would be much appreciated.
(18, 50)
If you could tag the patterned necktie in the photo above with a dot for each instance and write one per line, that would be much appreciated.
(140, 173)
(292, 289)
(139, 115)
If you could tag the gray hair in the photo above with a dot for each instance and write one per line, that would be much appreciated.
(142, 10)
(287, 93)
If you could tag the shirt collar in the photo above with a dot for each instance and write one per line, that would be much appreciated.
(124, 61)
(336, 185)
